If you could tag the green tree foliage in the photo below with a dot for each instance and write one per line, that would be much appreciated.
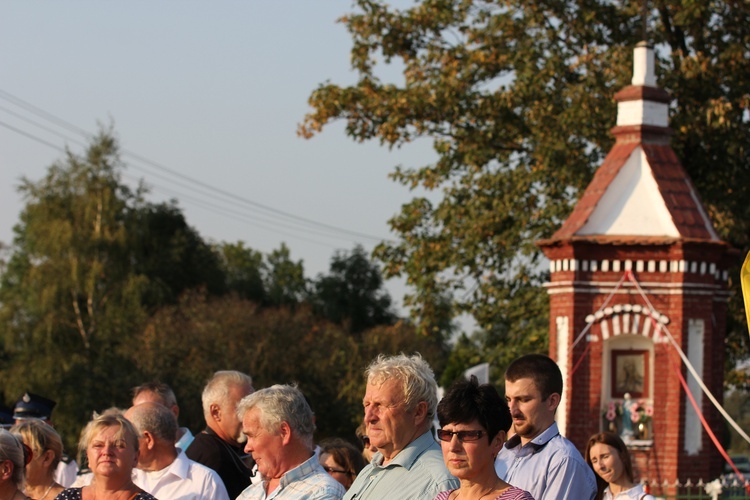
(244, 269)
(285, 280)
(170, 253)
(517, 98)
(89, 261)
(273, 345)
(353, 293)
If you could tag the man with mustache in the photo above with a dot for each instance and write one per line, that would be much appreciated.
(537, 458)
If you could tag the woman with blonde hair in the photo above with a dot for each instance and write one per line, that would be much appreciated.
(12, 463)
(46, 451)
(111, 445)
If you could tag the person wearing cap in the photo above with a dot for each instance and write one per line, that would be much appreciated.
(33, 406)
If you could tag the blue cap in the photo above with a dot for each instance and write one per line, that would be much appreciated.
(33, 406)
(6, 416)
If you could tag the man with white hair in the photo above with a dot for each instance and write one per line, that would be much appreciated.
(162, 469)
(279, 425)
(400, 403)
(219, 446)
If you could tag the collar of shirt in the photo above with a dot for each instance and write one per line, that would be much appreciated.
(535, 444)
(181, 465)
(408, 456)
(300, 472)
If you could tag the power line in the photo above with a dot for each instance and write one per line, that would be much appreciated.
(73, 128)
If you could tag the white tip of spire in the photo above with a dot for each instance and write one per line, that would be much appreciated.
(644, 72)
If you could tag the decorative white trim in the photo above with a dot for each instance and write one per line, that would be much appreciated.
(695, 348)
(640, 266)
(616, 321)
(562, 324)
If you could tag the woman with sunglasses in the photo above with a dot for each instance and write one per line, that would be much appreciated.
(341, 460)
(474, 422)
(12, 464)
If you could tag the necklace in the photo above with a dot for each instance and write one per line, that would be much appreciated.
(492, 488)
(47, 492)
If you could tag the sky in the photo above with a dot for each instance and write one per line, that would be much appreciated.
(203, 95)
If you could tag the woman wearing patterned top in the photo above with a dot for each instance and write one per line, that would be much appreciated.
(111, 445)
(474, 422)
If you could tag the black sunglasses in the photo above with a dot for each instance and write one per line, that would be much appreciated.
(463, 436)
(331, 470)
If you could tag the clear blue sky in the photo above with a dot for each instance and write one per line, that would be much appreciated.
(213, 90)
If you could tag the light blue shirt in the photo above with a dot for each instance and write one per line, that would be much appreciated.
(549, 467)
(417, 471)
(307, 481)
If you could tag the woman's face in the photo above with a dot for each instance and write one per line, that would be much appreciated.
(337, 471)
(469, 459)
(110, 455)
(606, 462)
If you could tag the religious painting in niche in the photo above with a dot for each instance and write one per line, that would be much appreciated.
(630, 373)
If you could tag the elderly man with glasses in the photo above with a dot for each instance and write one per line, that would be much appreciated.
(400, 402)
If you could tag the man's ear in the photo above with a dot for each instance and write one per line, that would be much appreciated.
(150, 440)
(285, 432)
(420, 412)
(215, 411)
(553, 401)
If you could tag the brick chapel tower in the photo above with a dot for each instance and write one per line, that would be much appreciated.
(636, 261)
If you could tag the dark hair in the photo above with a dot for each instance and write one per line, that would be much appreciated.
(541, 369)
(467, 401)
(344, 454)
(613, 440)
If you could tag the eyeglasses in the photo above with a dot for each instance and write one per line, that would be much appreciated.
(463, 436)
(331, 470)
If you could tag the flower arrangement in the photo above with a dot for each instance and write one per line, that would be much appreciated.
(640, 411)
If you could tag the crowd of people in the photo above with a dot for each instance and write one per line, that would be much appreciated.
(258, 445)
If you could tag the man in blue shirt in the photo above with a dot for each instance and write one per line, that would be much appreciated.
(400, 402)
(537, 458)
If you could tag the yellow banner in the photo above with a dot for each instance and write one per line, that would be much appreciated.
(745, 281)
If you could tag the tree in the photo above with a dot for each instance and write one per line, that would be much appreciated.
(274, 345)
(517, 98)
(244, 269)
(90, 261)
(353, 293)
(285, 281)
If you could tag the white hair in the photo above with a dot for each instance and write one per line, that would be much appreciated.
(218, 387)
(281, 403)
(416, 377)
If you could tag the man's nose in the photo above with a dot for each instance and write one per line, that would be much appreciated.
(369, 414)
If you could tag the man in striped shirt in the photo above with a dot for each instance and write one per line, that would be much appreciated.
(279, 427)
